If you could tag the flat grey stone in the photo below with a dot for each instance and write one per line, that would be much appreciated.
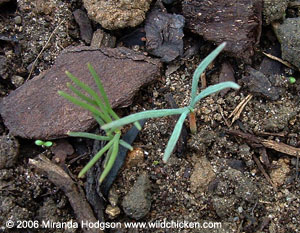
(137, 203)
(288, 34)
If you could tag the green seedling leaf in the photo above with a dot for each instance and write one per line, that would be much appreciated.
(91, 92)
(143, 115)
(99, 85)
(112, 158)
(155, 162)
(48, 144)
(107, 157)
(82, 96)
(99, 120)
(292, 80)
(214, 88)
(90, 136)
(39, 142)
(175, 135)
(102, 92)
(82, 104)
(126, 145)
(137, 125)
(96, 157)
(43, 144)
(202, 66)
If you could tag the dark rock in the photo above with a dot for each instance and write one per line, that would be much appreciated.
(269, 66)
(164, 33)
(237, 22)
(103, 39)
(9, 151)
(236, 164)
(288, 35)
(260, 84)
(35, 110)
(86, 31)
(226, 74)
(137, 203)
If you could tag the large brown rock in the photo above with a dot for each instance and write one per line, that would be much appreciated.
(35, 110)
(238, 22)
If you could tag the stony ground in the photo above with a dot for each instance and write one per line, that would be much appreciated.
(219, 176)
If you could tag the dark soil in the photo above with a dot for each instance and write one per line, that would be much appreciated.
(234, 192)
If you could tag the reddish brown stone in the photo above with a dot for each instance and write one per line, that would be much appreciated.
(238, 22)
(35, 110)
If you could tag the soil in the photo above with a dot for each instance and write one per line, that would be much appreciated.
(233, 189)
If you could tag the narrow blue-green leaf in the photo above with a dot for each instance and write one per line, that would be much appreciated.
(99, 120)
(81, 104)
(112, 158)
(90, 136)
(143, 115)
(137, 125)
(202, 66)
(107, 157)
(99, 84)
(102, 92)
(174, 137)
(91, 92)
(126, 145)
(81, 95)
(96, 157)
(214, 88)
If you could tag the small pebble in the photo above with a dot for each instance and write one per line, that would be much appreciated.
(112, 212)
(18, 20)
(135, 157)
(17, 80)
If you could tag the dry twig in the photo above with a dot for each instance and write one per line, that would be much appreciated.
(279, 60)
(261, 168)
(74, 192)
(239, 108)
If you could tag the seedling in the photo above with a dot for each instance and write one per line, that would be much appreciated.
(101, 109)
(43, 144)
(155, 162)
(292, 80)
(183, 112)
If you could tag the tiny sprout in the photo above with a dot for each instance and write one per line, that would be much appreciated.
(292, 80)
(155, 162)
(43, 144)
